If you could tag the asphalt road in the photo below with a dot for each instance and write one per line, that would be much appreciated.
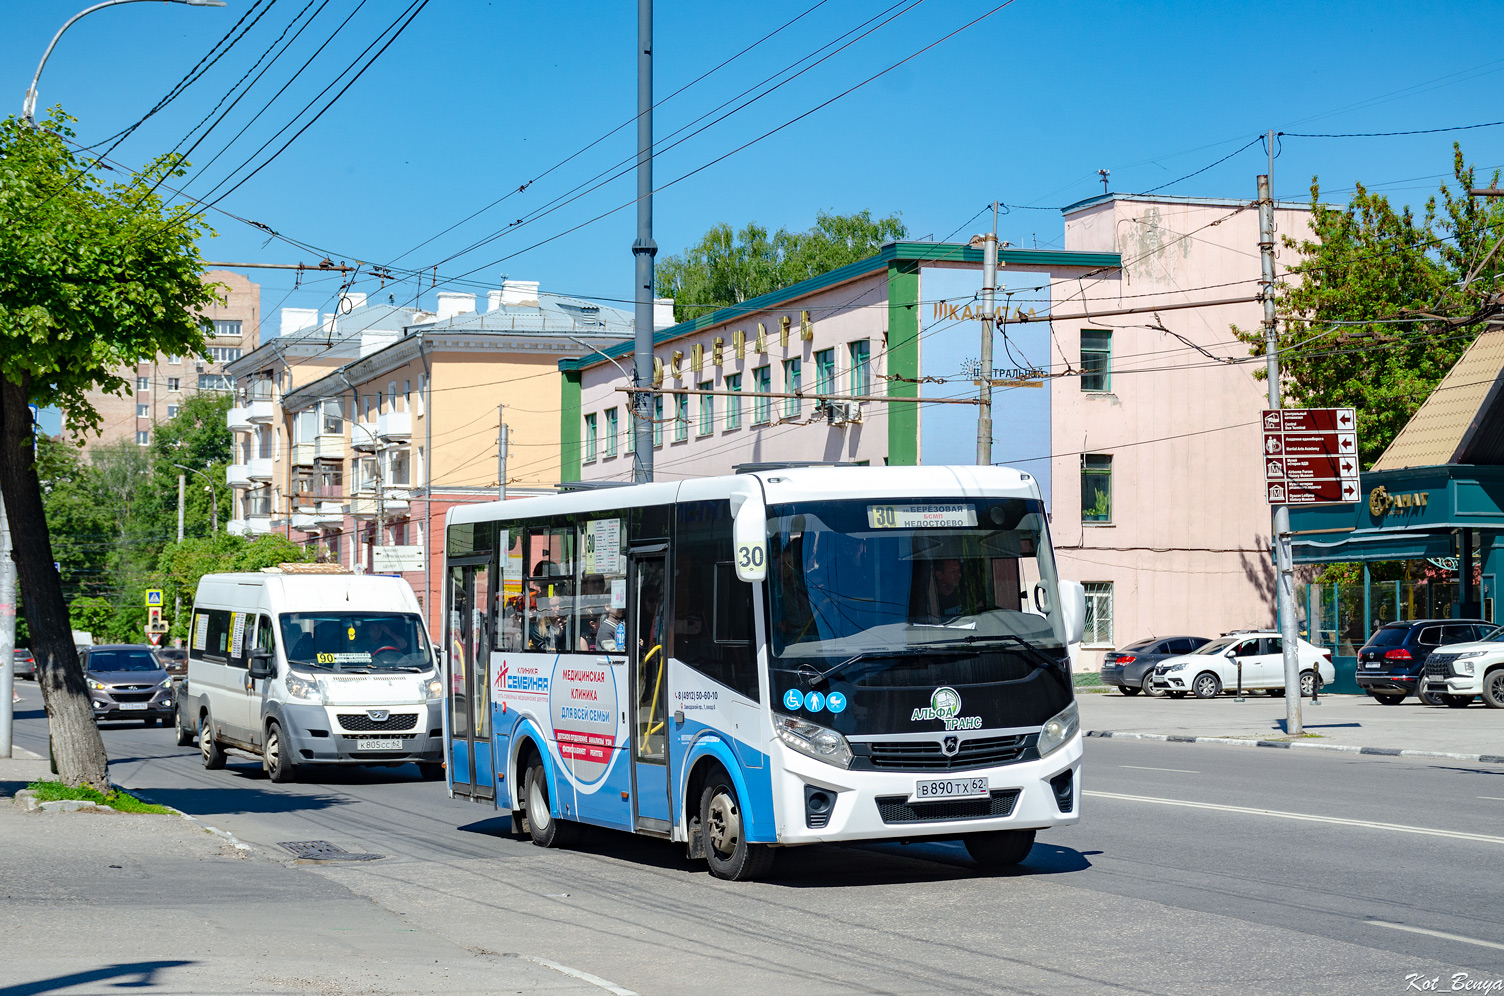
(1179, 879)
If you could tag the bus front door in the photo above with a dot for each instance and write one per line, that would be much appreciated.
(649, 650)
(469, 646)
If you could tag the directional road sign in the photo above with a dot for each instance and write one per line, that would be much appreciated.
(1310, 456)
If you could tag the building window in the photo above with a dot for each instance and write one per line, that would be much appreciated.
(793, 377)
(762, 405)
(172, 411)
(681, 417)
(391, 396)
(174, 359)
(334, 419)
(825, 372)
(174, 383)
(258, 502)
(707, 410)
(143, 411)
(143, 438)
(658, 420)
(612, 422)
(861, 367)
(733, 404)
(143, 384)
(1098, 614)
(226, 329)
(407, 395)
(633, 414)
(222, 354)
(1096, 361)
(215, 382)
(399, 472)
(1096, 487)
(590, 437)
(330, 478)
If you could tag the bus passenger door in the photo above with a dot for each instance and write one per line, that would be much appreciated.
(648, 652)
(469, 652)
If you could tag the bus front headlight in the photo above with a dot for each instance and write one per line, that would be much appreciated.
(308, 689)
(434, 689)
(817, 741)
(1059, 729)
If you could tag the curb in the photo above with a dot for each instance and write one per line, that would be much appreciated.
(229, 837)
(1298, 745)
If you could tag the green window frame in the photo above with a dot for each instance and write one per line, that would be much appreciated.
(658, 420)
(793, 379)
(1096, 360)
(681, 417)
(733, 404)
(1096, 487)
(590, 437)
(707, 409)
(825, 372)
(613, 426)
(762, 405)
(861, 367)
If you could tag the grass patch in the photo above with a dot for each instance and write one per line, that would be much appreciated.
(122, 802)
(1086, 679)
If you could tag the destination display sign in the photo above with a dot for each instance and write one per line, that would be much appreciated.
(1310, 456)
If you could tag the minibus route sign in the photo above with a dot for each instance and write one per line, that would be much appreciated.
(921, 516)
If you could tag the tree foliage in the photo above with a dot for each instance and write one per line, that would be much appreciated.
(180, 565)
(727, 267)
(1381, 303)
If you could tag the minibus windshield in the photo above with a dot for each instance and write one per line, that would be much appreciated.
(356, 641)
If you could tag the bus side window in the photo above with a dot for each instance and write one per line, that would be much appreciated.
(712, 609)
(511, 594)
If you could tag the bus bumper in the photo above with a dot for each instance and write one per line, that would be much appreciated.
(872, 805)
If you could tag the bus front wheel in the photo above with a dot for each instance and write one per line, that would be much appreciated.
(723, 824)
(545, 829)
(1000, 848)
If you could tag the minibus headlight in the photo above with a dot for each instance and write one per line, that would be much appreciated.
(300, 687)
(1059, 729)
(816, 741)
(435, 689)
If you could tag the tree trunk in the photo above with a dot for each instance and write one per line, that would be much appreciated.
(77, 748)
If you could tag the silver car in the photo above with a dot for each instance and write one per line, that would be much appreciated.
(127, 682)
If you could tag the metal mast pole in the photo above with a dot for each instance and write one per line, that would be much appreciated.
(643, 251)
(501, 453)
(1285, 584)
(989, 318)
(7, 635)
(177, 600)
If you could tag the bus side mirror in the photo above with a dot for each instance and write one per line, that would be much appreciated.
(1073, 610)
(749, 534)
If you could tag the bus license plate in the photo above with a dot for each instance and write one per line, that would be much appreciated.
(936, 789)
(373, 744)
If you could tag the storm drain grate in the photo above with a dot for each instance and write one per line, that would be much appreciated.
(322, 850)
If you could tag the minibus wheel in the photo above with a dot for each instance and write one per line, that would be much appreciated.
(1000, 848)
(545, 829)
(208, 748)
(723, 824)
(274, 755)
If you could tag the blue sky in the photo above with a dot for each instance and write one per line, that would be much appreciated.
(476, 98)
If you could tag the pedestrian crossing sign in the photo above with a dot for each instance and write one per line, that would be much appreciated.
(153, 597)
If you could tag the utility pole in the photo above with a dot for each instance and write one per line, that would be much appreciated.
(989, 318)
(7, 636)
(501, 453)
(1284, 560)
(177, 600)
(643, 251)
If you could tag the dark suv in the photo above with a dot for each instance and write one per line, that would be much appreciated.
(1130, 667)
(1392, 661)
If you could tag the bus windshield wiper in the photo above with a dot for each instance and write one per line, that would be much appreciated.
(1033, 648)
(912, 650)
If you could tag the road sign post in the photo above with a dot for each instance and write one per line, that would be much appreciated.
(1310, 456)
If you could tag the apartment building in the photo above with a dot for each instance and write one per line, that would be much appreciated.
(157, 386)
(362, 452)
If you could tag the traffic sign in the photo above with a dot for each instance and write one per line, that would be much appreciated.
(153, 597)
(155, 638)
(1310, 456)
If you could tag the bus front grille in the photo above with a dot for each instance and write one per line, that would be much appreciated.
(929, 755)
(897, 808)
(358, 722)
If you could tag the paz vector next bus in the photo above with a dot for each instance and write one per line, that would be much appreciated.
(768, 659)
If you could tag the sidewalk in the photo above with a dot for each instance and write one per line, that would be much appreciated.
(99, 901)
(1350, 721)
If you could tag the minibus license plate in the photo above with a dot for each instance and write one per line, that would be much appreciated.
(370, 743)
(131, 706)
(936, 789)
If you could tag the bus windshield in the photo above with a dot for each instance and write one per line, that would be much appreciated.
(356, 641)
(875, 575)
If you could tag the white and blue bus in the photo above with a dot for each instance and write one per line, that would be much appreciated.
(769, 659)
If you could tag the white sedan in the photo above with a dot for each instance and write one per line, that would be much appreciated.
(1213, 668)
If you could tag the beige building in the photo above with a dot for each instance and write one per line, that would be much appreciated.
(358, 434)
(156, 387)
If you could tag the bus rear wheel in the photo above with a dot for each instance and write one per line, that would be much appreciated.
(543, 827)
(725, 829)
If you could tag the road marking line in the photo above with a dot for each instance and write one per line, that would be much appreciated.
(575, 973)
(1307, 817)
(1141, 767)
(1492, 798)
(1437, 933)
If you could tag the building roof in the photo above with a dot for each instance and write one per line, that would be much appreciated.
(1462, 422)
(551, 313)
(1227, 202)
(893, 252)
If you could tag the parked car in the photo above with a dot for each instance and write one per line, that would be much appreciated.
(26, 664)
(1456, 672)
(127, 682)
(1213, 668)
(1392, 663)
(175, 660)
(1129, 668)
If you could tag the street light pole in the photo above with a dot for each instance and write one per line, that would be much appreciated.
(29, 105)
(213, 495)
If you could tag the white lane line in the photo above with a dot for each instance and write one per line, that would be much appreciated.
(1437, 933)
(575, 973)
(1178, 771)
(1492, 798)
(1307, 817)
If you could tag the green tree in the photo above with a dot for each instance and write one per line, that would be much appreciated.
(727, 267)
(1380, 303)
(180, 565)
(94, 275)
